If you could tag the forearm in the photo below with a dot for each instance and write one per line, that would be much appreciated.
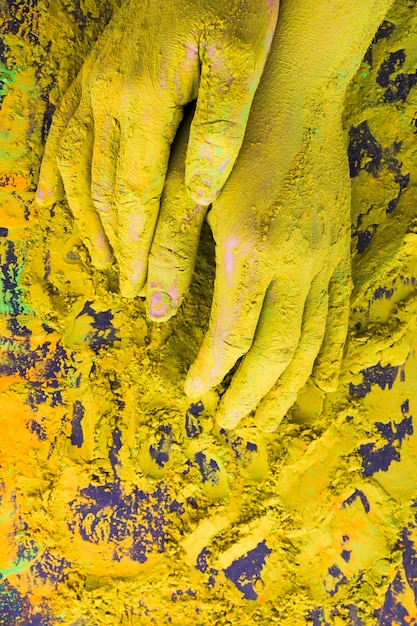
(319, 45)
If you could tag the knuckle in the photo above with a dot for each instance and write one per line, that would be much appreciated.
(170, 256)
(279, 356)
(218, 132)
(102, 205)
(234, 345)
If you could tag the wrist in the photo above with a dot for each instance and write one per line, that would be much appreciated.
(320, 48)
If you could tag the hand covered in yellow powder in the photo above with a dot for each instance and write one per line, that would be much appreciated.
(110, 139)
(281, 224)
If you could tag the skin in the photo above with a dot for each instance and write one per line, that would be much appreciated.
(281, 296)
(110, 139)
(282, 230)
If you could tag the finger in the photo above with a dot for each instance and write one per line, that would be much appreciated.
(74, 163)
(229, 77)
(141, 170)
(329, 360)
(277, 336)
(50, 187)
(175, 243)
(103, 169)
(237, 303)
(284, 393)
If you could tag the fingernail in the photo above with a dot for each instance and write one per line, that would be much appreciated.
(193, 387)
(229, 420)
(160, 304)
(40, 196)
(201, 189)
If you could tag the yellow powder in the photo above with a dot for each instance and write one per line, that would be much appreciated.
(108, 503)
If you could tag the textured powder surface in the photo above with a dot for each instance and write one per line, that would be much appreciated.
(121, 503)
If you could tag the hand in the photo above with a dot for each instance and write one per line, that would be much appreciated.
(282, 231)
(110, 138)
(282, 287)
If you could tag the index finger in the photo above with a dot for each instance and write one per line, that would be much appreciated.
(237, 303)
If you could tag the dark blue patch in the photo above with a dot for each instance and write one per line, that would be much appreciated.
(77, 437)
(364, 151)
(398, 87)
(203, 566)
(76, 382)
(52, 289)
(243, 450)
(209, 469)
(382, 292)
(17, 329)
(14, 608)
(340, 578)
(19, 18)
(50, 568)
(317, 617)
(357, 494)
(403, 181)
(36, 397)
(56, 399)
(10, 269)
(192, 502)
(115, 448)
(138, 516)
(104, 333)
(47, 116)
(48, 329)
(37, 429)
(345, 554)
(160, 454)
(55, 365)
(410, 560)
(4, 231)
(384, 32)
(379, 459)
(211, 582)
(177, 508)
(85, 19)
(201, 563)
(364, 237)
(392, 611)
(355, 620)
(193, 427)
(176, 594)
(246, 571)
(27, 549)
(383, 376)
